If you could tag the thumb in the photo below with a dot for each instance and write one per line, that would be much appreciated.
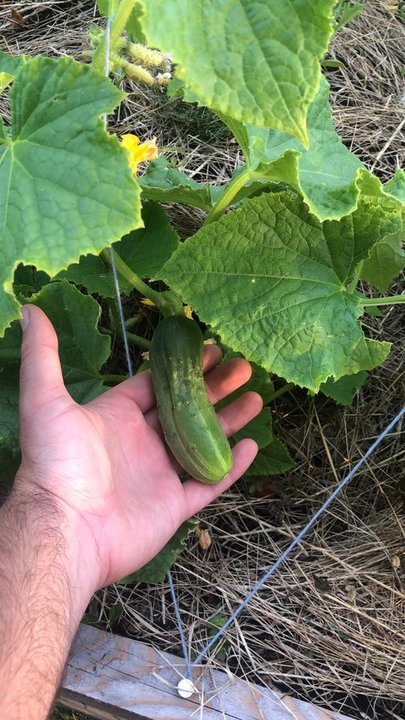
(41, 378)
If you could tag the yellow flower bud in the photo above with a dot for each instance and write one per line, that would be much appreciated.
(145, 56)
(137, 73)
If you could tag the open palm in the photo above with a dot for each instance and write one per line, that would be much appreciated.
(106, 463)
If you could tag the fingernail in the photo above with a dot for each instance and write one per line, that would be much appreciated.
(24, 322)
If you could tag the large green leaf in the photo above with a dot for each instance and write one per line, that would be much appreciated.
(66, 188)
(332, 180)
(325, 174)
(386, 261)
(5, 80)
(156, 570)
(396, 186)
(378, 225)
(9, 64)
(258, 429)
(385, 206)
(271, 460)
(360, 233)
(343, 390)
(258, 62)
(144, 251)
(345, 12)
(82, 349)
(166, 184)
(274, 288)
(389, 197)
(28, 281)
(95, 274)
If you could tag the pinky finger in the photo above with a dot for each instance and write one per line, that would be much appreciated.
(198, 494)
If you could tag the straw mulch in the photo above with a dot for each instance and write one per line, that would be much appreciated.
(329, 627)
(368, 91)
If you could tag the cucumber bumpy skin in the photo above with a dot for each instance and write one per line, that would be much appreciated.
(189, 421)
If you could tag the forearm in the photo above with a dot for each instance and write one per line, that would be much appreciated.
(41, 603)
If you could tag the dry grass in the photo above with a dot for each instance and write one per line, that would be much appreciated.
(64, 714)
(368, 92)
(329, 627)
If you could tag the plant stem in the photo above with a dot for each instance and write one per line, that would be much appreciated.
(138, 340)
(133, 339)
(129, 275)
(112, 6)
(393, 300)
(356, 277)
(167, 302)
(114, 316)
(284, 389)
(228, 195)
(117, 26)
(131, 321)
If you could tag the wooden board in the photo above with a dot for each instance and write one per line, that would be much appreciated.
(115, 678)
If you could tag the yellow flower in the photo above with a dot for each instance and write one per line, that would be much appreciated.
(139, 152)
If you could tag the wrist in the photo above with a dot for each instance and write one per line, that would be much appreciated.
(50, 518)
(41, 601)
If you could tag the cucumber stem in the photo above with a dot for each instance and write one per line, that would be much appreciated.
(138, 340)
(228, 195)
(130, 276)
(284, 389)
(393, 300)
(167, 302)
(356, 277)
(113, 315)
(133, 339)
(131, 321)
(118, 23)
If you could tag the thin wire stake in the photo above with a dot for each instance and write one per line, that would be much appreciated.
(297, 539)
(180, 625)
(129, 362)
(113, 265)
(121, 314)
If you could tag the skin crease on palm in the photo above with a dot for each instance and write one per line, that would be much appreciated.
(106, 462)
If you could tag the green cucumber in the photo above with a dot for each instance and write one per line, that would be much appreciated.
(189, 421)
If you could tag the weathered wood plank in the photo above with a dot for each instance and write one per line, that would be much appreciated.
(116, 678)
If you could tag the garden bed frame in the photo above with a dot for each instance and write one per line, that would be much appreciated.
(115, 678)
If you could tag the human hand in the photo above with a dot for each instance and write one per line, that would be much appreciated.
(106, 465)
